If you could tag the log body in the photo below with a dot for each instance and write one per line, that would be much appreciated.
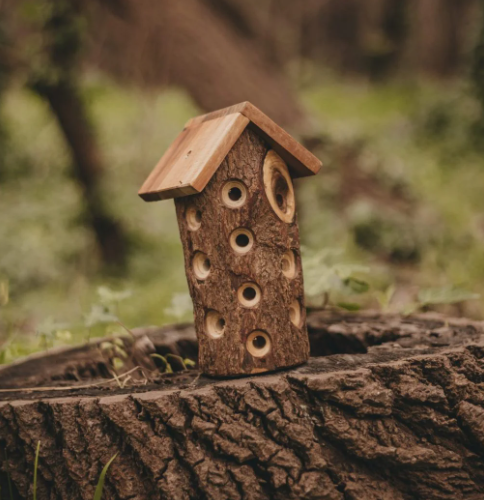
(243, 266)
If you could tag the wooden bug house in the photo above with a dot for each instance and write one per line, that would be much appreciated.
(230, 173)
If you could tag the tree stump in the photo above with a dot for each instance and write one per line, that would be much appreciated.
(399, 416)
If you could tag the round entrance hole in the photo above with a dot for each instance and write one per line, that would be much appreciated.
(258, 344)
(234, 194)
(288, 264)
(278, 187)
(241, 240)
(201, 265)
(194, 218)
(214, 324)
(249, 294)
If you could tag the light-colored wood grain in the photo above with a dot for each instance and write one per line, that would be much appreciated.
(198, 151)
(193, 157)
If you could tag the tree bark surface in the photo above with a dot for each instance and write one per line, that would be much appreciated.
(402, 420)
(260, 267)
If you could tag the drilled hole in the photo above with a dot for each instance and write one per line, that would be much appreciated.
(241, 240)
(281, 191)
(234, 194)
(288, 264)
(295, 313)
(194, 218)
(278, 187)
(258, 344)
(280, 201)
(214, 324)
(201, 265)
(249, 294)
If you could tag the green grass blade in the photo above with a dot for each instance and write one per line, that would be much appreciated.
(36, 466)
(100, 484)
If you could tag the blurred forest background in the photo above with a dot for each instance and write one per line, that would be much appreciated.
(388, 93)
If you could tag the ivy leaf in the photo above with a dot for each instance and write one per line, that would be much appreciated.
(98, 314)
(445, 295)
(349, 306)
(356, 285)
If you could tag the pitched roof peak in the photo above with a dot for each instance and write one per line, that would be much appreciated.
(198, 151)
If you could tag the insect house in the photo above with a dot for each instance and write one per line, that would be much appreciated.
(230, 173)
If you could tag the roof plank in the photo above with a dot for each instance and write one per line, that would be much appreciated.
(192, 159)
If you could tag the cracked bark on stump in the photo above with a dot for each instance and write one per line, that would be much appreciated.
(403, 420)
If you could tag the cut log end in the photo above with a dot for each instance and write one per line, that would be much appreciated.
(401, 421)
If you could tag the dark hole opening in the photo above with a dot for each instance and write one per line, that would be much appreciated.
(259, 342)
(198, 216)
(206, 264)
(281, 190)
(242, 240)
(235, 194)
(221, 324)
(249, 293)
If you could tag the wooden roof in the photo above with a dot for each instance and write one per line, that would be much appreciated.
(193, 158)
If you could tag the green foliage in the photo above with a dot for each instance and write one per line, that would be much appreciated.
(325, 277)
(414, 139)
(440, 296)
(36, 468)
(102, 478)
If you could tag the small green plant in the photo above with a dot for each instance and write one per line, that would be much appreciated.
(326, 279)
(99, 487)
(36, 466)
(100, 484)
(439, 296)
(185, 363)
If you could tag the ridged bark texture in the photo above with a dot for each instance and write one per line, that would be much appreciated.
(228, 355)
(396, 424)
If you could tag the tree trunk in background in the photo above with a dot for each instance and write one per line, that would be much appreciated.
(401, 421)
(477, 76)
(54, 75)
(69, 111)
(439, 34)
(189, 45)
